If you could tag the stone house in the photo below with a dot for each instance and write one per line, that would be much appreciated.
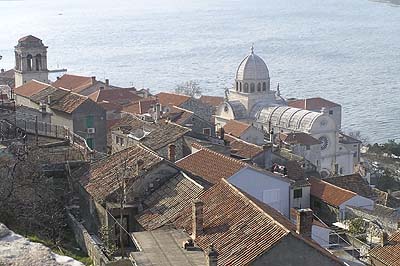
(168, 100)
(163, 137)
(329, 201)
(244, 131)
(132, 173)
(231, 223)
(65, 108)
(275, 189)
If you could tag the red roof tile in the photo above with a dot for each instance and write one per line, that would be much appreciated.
(214, 101)
(390, 253)
(210, 165)
(312, 103)
(101, 180)
(242, 228)
(298, 138)
(168, 99)
(73, 82)
(69, 102)
(235, 128)
(242, 148)
(331, 194)
(120, 96)
(142, 106)
(30, 88)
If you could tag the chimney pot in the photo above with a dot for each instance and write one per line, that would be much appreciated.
(211, 256)
(172, 152)
(2, 70)
(107, 82)
(157, 113)
(384, 239)
(197, 218)
(304, 220)
(93, 79)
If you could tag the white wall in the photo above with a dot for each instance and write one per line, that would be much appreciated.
(356, 201)
(263, 186)
(304, 201)
(253, 135)
(320, 235)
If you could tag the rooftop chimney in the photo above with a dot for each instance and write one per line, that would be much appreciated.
(383, 239)
(139, 165)
(172, 152)
(2, 70)
(211, 256)
(157, 112)
(197, 218)
(93, 79)
(304, 220)
(107, 82)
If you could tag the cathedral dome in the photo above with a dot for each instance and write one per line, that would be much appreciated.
(252, 67)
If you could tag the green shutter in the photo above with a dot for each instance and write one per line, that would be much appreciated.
(89, 121)
(90, 142)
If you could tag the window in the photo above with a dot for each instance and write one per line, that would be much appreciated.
(264, 86)
(272, 198)
(38, 61)
(252, 87)
(29, 61)
(207, 131)
(307, 147)
(297, 193)
(89, 121)
(355, 154)
(240, 84)
(259, 86)
(331, 112)
(246, 87)
(237, 86)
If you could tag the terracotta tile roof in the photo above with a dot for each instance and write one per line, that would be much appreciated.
(312, 103)
(142, 106)
(296, 173)
(210, 165)
(242, 228)
(73, 82)
(179, 115)
(235, 128)
(119, 95)
(353, 182)
(168, 98)
(55, 94)
(100, 178)
(164, 204)
(110, 106)
(390, 253)
(69, 102)
(242, 148)
(214, 101)
(161, 134)
(328, 193)
(298, 138)
(30, 88)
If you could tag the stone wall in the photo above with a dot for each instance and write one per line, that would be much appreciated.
(87, 242)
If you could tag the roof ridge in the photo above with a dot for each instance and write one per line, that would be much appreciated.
(183, 109)
(255, 205)
(194, 144)
(330, 184)
(240, 140)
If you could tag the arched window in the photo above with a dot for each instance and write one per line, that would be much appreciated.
(240, 83)
(259, 86)
(252, 87)
(17, 61)
(264, 86)
(29, 62)
(38, 61)
(246, 87)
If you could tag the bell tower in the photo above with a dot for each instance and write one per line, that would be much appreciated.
(30, 61)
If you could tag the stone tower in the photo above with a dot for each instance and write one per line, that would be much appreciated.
(30, 61)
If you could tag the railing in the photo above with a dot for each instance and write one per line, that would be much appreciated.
(40, 128)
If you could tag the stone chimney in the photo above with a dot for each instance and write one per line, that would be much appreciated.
(93, 79)
(384, 239)
(211, 256)
(304, 220)
(157, 112)
(107, 83)
(197, 218)
(172, 152)
(2, 70)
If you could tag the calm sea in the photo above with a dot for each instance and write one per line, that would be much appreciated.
(347, 51)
